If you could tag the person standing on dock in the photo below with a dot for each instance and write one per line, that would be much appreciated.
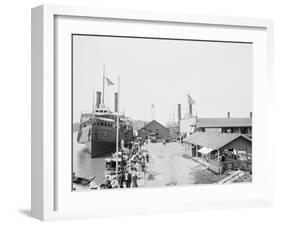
(128, 179)
(107, 182)
(121, 178)
(147, 157)
(143, 163)
(114, 183)
(135, 178)
(93, 184)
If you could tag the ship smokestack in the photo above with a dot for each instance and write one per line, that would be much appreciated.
(190, 109)
(179, 112)
(115, 102)
(251, 114)
(98, 102)
(228, 114)
(190, 102)
(94, 102)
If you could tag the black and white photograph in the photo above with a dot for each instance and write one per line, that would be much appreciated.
(158, 112)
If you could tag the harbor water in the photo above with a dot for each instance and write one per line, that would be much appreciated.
(84, 165)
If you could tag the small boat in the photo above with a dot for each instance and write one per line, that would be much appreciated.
(82, 181)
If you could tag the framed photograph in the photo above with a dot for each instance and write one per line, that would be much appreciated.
(137, 112)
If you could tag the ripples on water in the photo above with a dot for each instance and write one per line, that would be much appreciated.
(84, 165)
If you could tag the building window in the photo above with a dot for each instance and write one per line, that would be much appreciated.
(243, 130)
(229, 130)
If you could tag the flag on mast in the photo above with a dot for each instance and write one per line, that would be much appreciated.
(152, 112)
(109, 82)
(190, 100)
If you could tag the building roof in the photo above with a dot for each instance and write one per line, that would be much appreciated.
(182, 134)
(212, 139)
(223, 122)
(153, 121)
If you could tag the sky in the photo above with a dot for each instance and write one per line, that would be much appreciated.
(217, 75)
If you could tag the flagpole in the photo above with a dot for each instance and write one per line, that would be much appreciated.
(151, 112)
(117, 127)
(93, 101)
(103, 78)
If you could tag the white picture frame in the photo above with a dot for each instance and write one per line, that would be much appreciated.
(51, 195)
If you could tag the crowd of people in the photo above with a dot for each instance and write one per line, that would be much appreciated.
(130, 169)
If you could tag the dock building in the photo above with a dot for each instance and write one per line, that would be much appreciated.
(154, 129)
(208, 147)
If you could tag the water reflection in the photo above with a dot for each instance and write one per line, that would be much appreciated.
(84, 165)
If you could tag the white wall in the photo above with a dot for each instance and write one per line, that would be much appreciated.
(15, 110)
(185, 124)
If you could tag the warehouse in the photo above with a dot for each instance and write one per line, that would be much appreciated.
(153, 128)
(222, 125)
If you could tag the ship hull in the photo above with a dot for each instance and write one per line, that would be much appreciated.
(101, 148)
(102, 141)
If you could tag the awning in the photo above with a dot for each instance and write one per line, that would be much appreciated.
(205, 150)
(182, 135)
(192, 129)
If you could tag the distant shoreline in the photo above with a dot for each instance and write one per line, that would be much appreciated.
(75, 127)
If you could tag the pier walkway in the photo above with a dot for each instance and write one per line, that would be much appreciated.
(169, 165)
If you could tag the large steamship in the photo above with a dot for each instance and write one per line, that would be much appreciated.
(98, 128)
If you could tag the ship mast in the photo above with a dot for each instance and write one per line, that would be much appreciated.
(94, 107)
(103, 79)
(117, 128)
